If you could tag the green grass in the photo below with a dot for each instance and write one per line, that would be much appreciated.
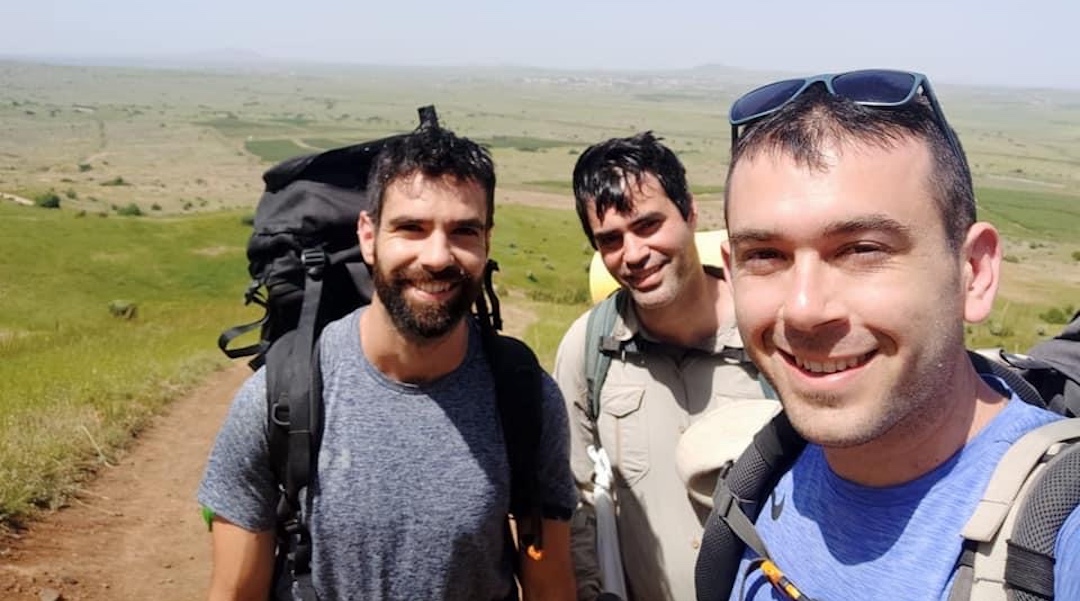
(559, 186)
(541, 252)
(239, 127)
(273, 151)
(72, 376)
(1031, 214)
(524, 143)
(327, 143)
(544, 334)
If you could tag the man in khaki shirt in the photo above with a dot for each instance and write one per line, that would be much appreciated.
(637, 211)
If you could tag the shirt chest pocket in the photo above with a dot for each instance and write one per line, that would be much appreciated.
(624, 430)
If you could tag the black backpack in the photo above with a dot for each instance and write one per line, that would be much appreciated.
(1049, 377)
(307, 270)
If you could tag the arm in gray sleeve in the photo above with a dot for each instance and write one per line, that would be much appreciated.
(238, 483)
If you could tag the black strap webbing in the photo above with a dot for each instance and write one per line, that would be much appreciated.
(252, 295)
(964, 579)
(1030, 571)
(727, 509)
(295, 403)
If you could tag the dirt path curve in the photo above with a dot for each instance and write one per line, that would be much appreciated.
(136, 533)
(16, 199)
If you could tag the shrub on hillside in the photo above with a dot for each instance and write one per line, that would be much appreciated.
(1058, 315)
(129, 210)
(48, 200)
(1076, 255)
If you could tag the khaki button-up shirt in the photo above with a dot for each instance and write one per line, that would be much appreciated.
(648, 401)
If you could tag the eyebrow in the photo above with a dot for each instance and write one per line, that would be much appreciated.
(847, 227)
(637, 220)
(405, 220)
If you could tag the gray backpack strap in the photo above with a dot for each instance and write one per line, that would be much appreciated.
(599, 347)
(982, 566)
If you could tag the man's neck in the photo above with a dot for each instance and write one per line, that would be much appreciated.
(918, 445)
(404, 359)
(702, 308)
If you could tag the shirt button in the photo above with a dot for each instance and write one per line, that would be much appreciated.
(695, 543)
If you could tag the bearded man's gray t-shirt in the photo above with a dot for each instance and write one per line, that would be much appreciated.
(412, 488)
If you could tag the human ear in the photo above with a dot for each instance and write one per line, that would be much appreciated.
(365, 234)
(981, 270)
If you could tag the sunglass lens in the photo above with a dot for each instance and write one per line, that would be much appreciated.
(875, 87)
(764, 100)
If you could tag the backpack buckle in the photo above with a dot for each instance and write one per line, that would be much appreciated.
(279, 414)
(313, 260)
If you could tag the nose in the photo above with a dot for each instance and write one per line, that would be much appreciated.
(436, 252)
(812, 298)
(635, 251)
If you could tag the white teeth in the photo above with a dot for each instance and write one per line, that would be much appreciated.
(434, 287)
(828, 367)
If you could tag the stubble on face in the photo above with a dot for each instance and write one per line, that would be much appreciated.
(424, 322)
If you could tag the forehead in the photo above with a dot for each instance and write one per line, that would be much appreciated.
(771, 190)
(644, 195)
(417, 192)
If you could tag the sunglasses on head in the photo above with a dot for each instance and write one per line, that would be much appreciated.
(870, 87)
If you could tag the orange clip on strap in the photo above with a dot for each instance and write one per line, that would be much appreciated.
(535, 553)
(781, 582)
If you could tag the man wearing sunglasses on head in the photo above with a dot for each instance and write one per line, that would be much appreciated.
(855, 260)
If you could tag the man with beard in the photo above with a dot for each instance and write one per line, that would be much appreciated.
(678, 359)
(856, 259)
(411, 493)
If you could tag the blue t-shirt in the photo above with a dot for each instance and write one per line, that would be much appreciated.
(837, 540)
(412, 489)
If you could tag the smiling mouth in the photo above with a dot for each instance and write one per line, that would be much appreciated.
(828, 366)
(435, 287)
(635, 279)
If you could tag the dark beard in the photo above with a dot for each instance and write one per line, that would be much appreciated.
(425, 322)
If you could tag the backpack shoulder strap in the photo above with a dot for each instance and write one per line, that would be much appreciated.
(294, 412)
(600, 345)
(992, 361)
(1036, 475)
(518, 381)
(740, 495)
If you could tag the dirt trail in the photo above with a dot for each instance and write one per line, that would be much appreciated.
(136, 532)
(16, 199)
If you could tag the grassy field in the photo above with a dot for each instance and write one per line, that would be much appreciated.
(76, 380)
(187, 149)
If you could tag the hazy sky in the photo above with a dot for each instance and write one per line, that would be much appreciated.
(1017, 42)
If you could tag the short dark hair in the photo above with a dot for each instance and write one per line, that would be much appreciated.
(605, 170)
(434, 152)
(803, 128)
